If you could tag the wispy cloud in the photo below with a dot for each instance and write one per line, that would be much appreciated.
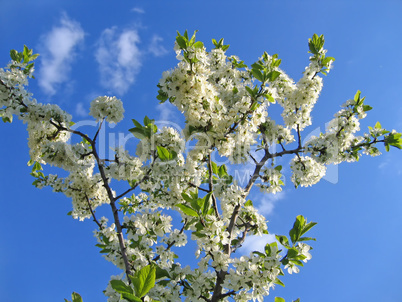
(119, 59)
(58, 50)
(267, 202)
(256, 243)
(156, 48)
(166, 112)
(80, 110)
(138, 10)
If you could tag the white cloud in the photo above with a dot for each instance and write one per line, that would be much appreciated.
(156, 48)
(256, 243)
(166, 112)
(138, 10)
(119, 59)
(80, 110)
(266, 204)
(58, 50)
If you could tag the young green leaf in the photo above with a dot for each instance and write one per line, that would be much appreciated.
(222, 172)
(130, 297)
(138, 132)
(206, 203)
(283, 240)
(187, 210)
(120, 287)
(163, 153)
(214, 168)
(76, 297)
(136, 123)
(144, 280)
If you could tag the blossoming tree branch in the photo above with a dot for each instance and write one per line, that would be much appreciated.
(226, 106)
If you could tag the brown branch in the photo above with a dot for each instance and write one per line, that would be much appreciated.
(146, 176)
(93, 213)
(199, 188)
(214, 202)
(112, 199)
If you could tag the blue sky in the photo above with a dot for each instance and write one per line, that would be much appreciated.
(99, 48)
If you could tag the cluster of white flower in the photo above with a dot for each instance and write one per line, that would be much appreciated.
(66, 156)
(297, 112)
(333, 146)
(272, 180)
(125, 166)
(306, 171)
(275, 133)
(211, 93)
(253, 276)
(107, 107)
(303, 250)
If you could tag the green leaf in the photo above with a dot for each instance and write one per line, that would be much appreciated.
(198, 44)
(357, 97)
(144, 280)
(130, 297)
(282, 240)
(192, 40)
(307, 227)
(248, 203)
(279, 299)
(298, 225)
(214, 168)
(394, 140)
(206, 203)
(138, 132)
(292, 253)
(186, 197)
(160, 273)
(76, 297)
(279, 282)
(222, 171)
(148, 121)
(14, 55)
(181, 41)
(306, 239)
(187, 210)
(250, 91)
(120, 287)
(163, 153)
(258, 75)
(136, 123)
(273, 75)
(259, 254)
(367, 108)
(162, 96)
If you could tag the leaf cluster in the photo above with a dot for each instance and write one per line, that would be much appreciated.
(300, 227)
(316, 46)
(145, 131)
(142, 282)
(26, 56)
(219, 174)
(220, 45)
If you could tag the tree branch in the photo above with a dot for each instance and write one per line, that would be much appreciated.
(215, 205)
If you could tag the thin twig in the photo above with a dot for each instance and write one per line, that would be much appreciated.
(93, 213)
(211, 188)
